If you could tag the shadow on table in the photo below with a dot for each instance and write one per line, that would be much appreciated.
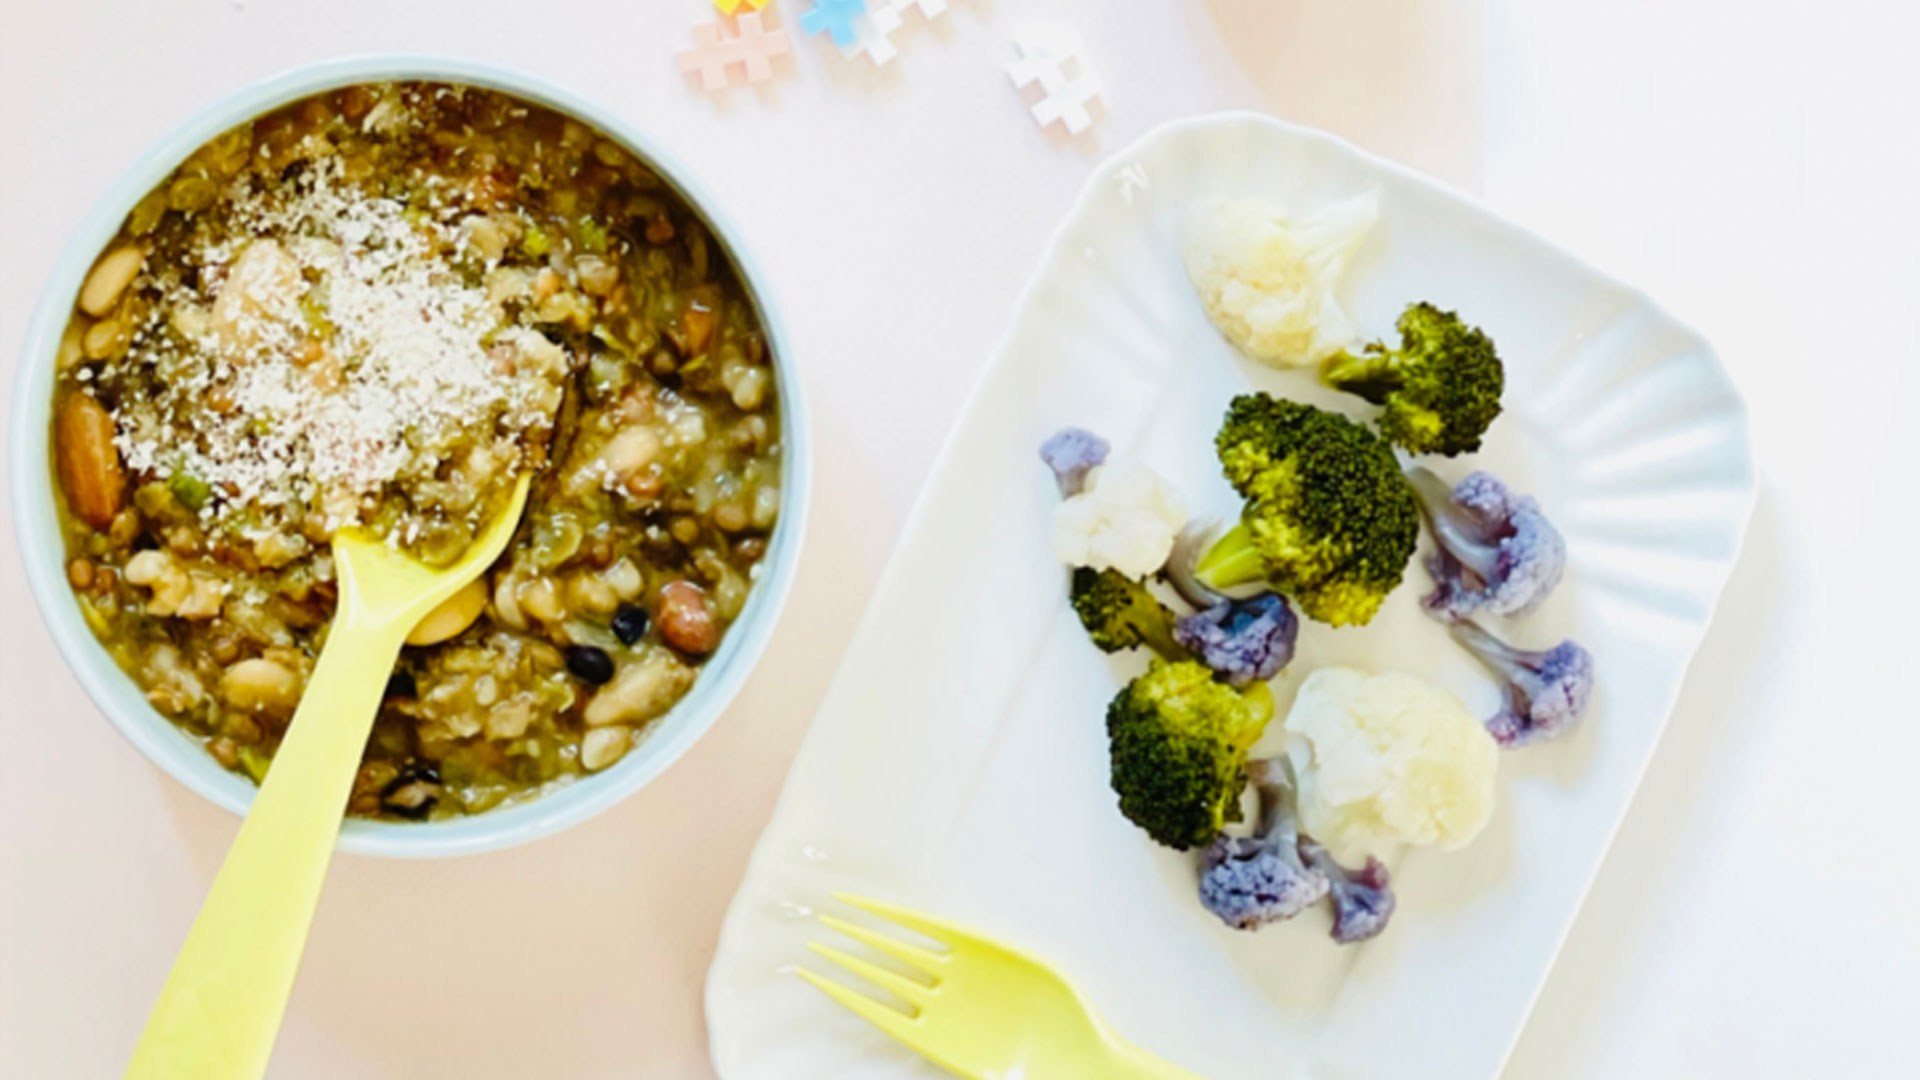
(1399, 77)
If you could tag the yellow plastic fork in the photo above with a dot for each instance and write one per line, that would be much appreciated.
(220, 1009)
(981, 1009)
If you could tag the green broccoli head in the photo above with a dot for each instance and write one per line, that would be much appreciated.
(1179, 742)
(1119, 613)
(1439, 390)
(1330, 520)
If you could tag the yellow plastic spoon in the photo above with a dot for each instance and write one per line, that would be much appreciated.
(220, 1009)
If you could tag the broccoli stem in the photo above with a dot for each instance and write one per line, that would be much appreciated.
(1233, 560)
(1158, 636)
(1458, 536)
(1369, 376)
(1259, 699)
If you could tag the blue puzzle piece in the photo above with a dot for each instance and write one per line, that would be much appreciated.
(835, 19)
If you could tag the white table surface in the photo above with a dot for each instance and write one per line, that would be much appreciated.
(1754, 165)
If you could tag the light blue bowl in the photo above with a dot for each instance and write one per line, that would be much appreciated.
(181, 756)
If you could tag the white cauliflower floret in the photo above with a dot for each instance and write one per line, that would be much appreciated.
(1386, 759)
(1126, 518)
(1268, 279)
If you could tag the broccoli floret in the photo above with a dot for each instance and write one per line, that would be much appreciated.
(1363, 899)
(1249, 881)
(1546, 690)
(1440, 389)
(1494, 549)
(1243, 641)
(1072, 453)
(1330, 521)
(1178, 741)
(1119, 613)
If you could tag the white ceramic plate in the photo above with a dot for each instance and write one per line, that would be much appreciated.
(959, 762)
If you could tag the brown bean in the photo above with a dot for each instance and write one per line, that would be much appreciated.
(80, 573)
(89, 463)
(685, 619)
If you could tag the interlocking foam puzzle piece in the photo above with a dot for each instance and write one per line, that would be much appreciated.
(752, 45)
(872, 31)
(1047, 47)
(836, 19)
(730, 6)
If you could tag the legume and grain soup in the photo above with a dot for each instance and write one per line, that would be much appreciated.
(374, 308)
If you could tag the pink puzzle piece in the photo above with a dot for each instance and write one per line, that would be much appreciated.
(752, 45)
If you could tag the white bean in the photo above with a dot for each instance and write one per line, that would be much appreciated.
(630, 451)
(603, 746)
(260, 685)
(110, 277)
(640, 692)
(625, 579)
(147, 567)
(541, 600)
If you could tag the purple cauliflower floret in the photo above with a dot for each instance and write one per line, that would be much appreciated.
(1243, 641)
(1363, 899)
(1249, 881)
(1494, 550)
(1072, 453)
(1546, 690)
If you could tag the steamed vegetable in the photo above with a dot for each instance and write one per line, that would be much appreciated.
(1268, 279)
(1072, 453)
(1545, 692)
(1388, 759)
(1178, 742)
(1363, 899)
(1120, 613)
(1249, 881)
(1125, 519)
(1329, 520)
(1494, 550)
(1438, 391)
(1243, 641)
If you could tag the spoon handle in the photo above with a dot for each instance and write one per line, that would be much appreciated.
(220, 1010)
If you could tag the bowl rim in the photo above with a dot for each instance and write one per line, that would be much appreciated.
(42, 551)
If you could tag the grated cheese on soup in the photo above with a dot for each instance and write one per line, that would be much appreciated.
(326, 347)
